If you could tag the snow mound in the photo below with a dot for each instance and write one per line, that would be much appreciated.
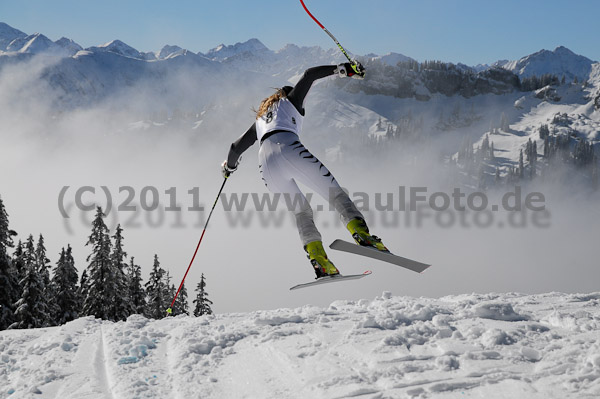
(467, 345)
(498, 311)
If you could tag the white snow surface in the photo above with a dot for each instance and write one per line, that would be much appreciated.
(469, 346)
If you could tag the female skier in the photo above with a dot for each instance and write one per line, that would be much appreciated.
(283, 160)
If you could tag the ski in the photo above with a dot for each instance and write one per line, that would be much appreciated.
(332, 279)
(341, 245)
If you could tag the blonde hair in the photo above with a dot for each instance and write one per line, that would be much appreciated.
(268, 102)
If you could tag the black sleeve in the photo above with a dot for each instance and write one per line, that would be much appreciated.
(297, 95)
(240, 145)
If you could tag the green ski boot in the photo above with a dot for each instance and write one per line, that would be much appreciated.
(318, 258)
(360, 232)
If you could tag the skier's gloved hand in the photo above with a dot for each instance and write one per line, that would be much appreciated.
(354, 70)
(359, 70)
(226, 170)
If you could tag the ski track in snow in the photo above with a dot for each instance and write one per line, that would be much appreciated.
(492, 345)
(102, 366)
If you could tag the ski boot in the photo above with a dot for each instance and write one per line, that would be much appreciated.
(360, 232)
(318, 258)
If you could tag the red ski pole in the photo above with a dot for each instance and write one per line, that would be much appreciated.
(170, 310)
(353, 62)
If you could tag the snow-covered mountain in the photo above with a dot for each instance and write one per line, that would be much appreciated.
(559, 62)
(169, 51)
(69, 45)
(8, 34)
(469, 346)
(223, 51)
(34, 44)
(457, 98)
(120, 48)
(391, 59)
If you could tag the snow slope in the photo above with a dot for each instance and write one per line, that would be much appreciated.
(468, 346)
(576, 106)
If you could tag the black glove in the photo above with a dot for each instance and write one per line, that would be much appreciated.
(354, 70)
(226, 170)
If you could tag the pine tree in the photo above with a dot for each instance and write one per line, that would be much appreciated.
(43, 266)
(18, 262)
(504, 123)
(136, 294)
(170, 290)
(485, 145)
(155, 292)
(82, 292)
(42, 260)
(202, 302)
(100, 285)
(32, 308)
(9, 283)
(594, 173)
(64, 282)
(121, 308)
(521, 164)
(181, 303)
(481, 183)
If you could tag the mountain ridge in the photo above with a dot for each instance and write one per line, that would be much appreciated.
(560, 61)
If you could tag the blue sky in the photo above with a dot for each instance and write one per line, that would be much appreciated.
(465, 31)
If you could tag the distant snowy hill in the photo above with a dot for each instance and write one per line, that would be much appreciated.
(559, 62)
(222, 51)
(118, 47)
(391, 59)
(469, 346)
